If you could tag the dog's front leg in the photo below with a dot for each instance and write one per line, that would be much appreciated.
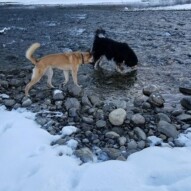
(97, 63)
(66, 76)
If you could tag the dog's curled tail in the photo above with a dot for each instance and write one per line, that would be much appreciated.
(30, 51)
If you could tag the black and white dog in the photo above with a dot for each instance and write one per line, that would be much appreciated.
(120, 52)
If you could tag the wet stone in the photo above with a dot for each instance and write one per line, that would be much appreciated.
(168, 129)
(140, 133)
(156, 99)
(112, 153)
(148, 90)
(74, 90)
(112, 135)
(27, 102)
(186, 102)
(132, 145)
(100, 124)
(184, 117)
(117, 117)
(72, 103)
(9, 102)
(85, 154)
(122, 141)
(58, 95)
(185, 89)
(138, 119)
(164, 117)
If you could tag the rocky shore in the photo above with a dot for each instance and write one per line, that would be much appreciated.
(107, 130)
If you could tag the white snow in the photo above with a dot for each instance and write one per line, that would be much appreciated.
(28, 162)
(159, 4)
(71, 2)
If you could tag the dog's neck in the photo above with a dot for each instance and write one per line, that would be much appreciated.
(82, 58)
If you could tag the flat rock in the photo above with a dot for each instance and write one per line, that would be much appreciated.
(186, 102)
(167, 129)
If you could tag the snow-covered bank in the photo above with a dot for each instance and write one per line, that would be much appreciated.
(29, 163)
(147, 5)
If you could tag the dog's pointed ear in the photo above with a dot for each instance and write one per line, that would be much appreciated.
(100, 32)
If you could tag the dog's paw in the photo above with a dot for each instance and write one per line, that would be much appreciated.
(80, 86)
(51, 86)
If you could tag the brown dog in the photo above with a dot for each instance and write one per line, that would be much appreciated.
(65, 61)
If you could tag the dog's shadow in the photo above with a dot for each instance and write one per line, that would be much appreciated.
(115, 81)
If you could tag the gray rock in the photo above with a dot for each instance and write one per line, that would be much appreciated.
(121, 158)
(88, 120)
(101, 155)
(41, 120)
(62, 141)
(156, 99)
(58, 104)
(140, 133)
(16, 106)
(85, 154)
(112, 153)
(138, 119)
(185, 89)
(141, 144)
(117, 117)
(9, 102)
(118, 130)
(86, 101)
(72, 103)
(27, 102)
(148, 90)
(99, 115)
(122, 141)
(177, 112)
(138, 101)
(100, 123)
(15, 82)
(120, 104)
(4, 83)
(72, 112)
(74, 90)
(85, 140)
(178, 143)
(146, 105)
(58, 95)
(184, 117)
(167, 129)
(164, 117)
(95, 100)
(132, 145)
(112, 135)
(186, 126)
(186, 102)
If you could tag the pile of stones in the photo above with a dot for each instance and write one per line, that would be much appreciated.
(105, 129)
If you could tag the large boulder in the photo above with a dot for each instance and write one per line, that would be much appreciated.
(117, 116)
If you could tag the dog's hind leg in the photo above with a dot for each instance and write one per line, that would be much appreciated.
(49, 74)
(36, 76)
(66, 76)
